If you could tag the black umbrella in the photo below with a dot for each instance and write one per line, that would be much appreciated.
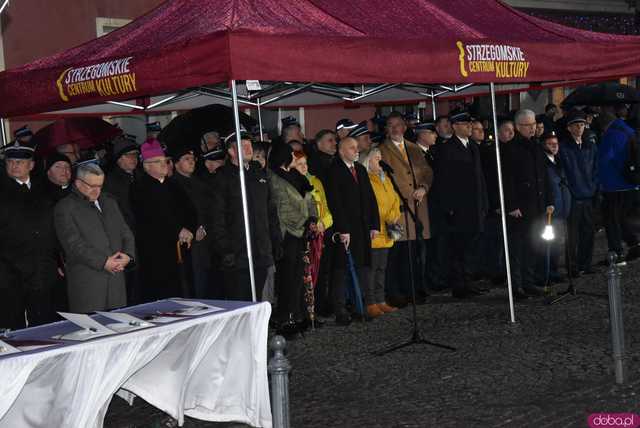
(602, 94)
(188, 128)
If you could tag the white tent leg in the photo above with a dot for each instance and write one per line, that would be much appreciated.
(433, 106)
(243, 189)
(3, 131)
(260, 119)
(503, 213)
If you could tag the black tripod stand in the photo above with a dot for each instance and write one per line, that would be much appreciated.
(416, 338)
(571, 289)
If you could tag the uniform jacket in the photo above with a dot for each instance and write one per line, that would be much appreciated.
(459, 187)
(580, 163)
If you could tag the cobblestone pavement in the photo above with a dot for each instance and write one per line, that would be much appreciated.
(552, 369)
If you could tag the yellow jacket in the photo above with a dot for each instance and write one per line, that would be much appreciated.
(320, 197)
(388, 208)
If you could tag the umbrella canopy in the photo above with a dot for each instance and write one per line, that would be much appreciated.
(86, 132)
(601, 94)
(187, 129)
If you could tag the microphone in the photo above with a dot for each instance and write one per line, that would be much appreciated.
(386, 167)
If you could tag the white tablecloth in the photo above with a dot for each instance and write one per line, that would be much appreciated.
(212, 367)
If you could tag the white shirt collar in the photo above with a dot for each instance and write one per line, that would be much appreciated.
(551, 157)
(348, 164)
(28, 182)
(399, 144)
(97, 204)
(424, 149)
(465, 141)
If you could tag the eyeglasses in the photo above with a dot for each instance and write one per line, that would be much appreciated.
(92, 186)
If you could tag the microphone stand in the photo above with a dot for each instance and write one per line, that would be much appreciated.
(416, 338)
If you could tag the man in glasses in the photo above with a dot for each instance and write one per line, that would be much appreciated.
(28, 247)
(165, 225)
(97, 243)
(528, 195)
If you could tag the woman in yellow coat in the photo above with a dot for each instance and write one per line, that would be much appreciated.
(389, 210)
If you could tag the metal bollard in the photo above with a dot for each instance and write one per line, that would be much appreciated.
(279, 368)
(615, 317)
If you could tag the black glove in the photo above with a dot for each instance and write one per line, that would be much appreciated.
(228, 261)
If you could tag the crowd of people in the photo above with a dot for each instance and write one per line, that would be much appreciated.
(390, 204)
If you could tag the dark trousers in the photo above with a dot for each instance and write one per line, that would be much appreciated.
(15, 300)
(459, 252)
(376, 281)
(341, 278)
(581, 233)
(324, 285)
(398, 280)
(524, 251)
(616, 207)
(437, 261)
(237, 283)
(289, 279)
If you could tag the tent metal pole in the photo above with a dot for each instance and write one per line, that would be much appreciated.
(260, 119)
(433, 106)
(3, 130)
(503, 212)
(243, 188)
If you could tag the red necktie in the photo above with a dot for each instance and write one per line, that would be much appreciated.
(352, 168)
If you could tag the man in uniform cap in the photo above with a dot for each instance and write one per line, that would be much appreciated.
(153, 129)
(362, 136)
(443, 127)
(426, 136)
(122, 175)
(23, 135)
(291, 130)
(343, 126)
(209, 141)
(460, 198)
(411, 120)
(579, 158)
(28, 247)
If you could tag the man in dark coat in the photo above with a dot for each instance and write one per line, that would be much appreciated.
(580, 161)
(28, 246)
(528, 196)
(228, 231)
(58, 170)
(118, 183)
(460, 193)
(97, 242)
(355, 220)
(321, 156)
(119, 180)
(165, 225)
(201, 197)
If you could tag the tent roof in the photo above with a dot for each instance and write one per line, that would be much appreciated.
(190, 43)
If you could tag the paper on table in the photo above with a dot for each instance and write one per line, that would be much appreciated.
(6, 349)
(124, 318)
(196, 308)
(90, 327)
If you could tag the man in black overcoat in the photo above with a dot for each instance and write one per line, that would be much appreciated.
(355, 220)
(165, 219)
(528, 195)
(460, 197)
(28, 247)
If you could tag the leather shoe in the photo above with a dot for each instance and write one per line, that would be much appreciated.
(534, 291)
(386, 308)
(374, 311)
(343, 318)
(519, 294)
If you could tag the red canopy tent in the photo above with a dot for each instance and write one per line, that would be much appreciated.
(189, 43)
(196, 43)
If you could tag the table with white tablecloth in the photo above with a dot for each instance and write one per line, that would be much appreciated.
(211, 367)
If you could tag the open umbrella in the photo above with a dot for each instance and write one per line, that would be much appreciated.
(188, 128)
(601, 94)
(86, 132)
